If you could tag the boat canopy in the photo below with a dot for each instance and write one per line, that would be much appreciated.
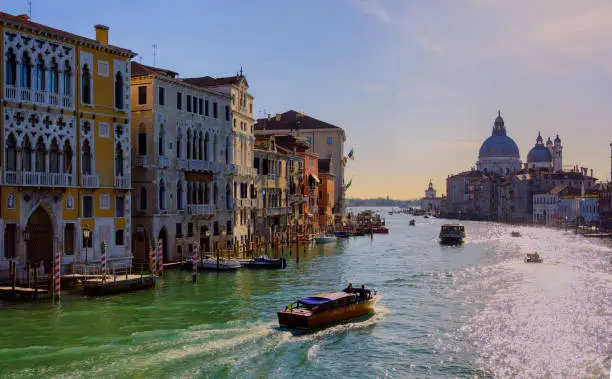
(313, 300)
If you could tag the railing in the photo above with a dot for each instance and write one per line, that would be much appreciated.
(53, 98)
(37, 96)
(201, 209)
(90, 181)
(163, 161)
(25, 94)
(197, 165)
(141, 161)
(122, 182)
(10, 92)
(47, 179)
(182, 164)
(67, 101)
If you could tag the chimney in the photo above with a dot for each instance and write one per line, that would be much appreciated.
(102, 34)
(278, 116)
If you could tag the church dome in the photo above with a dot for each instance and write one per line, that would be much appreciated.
(539, 153)
(499, 144)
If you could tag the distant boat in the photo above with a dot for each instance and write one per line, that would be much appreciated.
(425, 216)
(220, 264)
(343, 234)
(515, 233)
(452, 233)
(326, 238)
(380, 230)
(265, 262)
(533, 258)
(411, 223)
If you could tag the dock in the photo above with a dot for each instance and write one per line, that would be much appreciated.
(21, 292)
(117, 284)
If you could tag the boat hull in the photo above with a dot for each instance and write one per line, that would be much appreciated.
(270, 264)
(305, 320)
(451, 240)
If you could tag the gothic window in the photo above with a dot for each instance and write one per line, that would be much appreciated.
(200, 194)
(160, 142)
(142, 140)
(11, 153)
(215, 194)
(228, 197)
(86, 85)
(118, 90)
(26, 69)
(39, 74)
(67, 158)
(195, 145)
(40, 155)
(86, 162)
(206, 156)
(11, 68)
(162, 195)
(54, 157)
(188, 144)
(214, 149)
(26, 155)
(200, 146)
(142, 199)
(118, 160)
(194, 194)
(227, 150)
(54, 77)
(206, 193)
(67, 79)
(178, 144)
(179, 195)
(189, 193)
(69, 238)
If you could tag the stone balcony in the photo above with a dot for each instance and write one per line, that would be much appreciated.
(90, 181)
(13, 93)
(141, 161)
(182, 164)
(38, 179)
(201, 209)
(122, 182)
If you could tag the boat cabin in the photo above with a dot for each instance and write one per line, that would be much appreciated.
(453, 228)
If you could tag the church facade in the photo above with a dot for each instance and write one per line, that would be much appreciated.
(499, 153)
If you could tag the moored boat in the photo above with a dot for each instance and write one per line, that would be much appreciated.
(342, 234)
(412, 222)
(265, 262)
(328, 308)
(533, 258)
(327, 238)
(220, 264)
(452, 233)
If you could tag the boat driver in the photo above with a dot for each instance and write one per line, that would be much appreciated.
(349, 289)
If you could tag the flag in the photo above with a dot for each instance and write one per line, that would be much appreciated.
(349, 184)
(351, 154)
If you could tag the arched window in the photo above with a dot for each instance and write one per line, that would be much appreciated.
(11, 153)
(118, 160)
(227, 151)
(54, 77)
(215, 194)
(11, 68)
(228, 197)
(67, 158)
(214, 149)
(178, 144)
(86, 160)
(67, 79)
(206, 141)
(142, 140)
(119, 90)
(200, 147)
(194, 154)
(194, 194)
(160, 142)
(41, 153)
(54, 157)
(86, 85)
(179, 195)
(39, 74)
(25, 79)
(26, 155)
(189, 193)
(206, 193)
(189, 144)
(142, 199)
(162, 195)
(228, 227)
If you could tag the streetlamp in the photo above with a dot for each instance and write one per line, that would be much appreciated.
(86, 237)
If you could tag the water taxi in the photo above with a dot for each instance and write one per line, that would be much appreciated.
(533, 258)
(411, 223)
(265, 262)
(515, 233)
(326, 238)
(328, 308)
(452, 233)
(218, 264)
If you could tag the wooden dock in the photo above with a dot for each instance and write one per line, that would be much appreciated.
(21, 292)
(117, 284)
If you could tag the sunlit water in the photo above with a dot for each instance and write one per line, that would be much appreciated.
(474, 310)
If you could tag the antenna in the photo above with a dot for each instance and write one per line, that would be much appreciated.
(30, 8)
(140, 59)
(154, 54)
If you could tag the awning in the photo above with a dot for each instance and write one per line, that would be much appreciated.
(315, 178)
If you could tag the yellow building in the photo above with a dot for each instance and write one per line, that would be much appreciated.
(66, 152)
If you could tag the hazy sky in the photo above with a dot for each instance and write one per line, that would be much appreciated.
(415, 84)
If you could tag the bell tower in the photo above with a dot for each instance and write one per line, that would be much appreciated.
(557, 155)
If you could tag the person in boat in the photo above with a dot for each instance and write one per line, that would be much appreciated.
(348, 289)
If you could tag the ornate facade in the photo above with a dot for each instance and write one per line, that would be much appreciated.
(66, 152)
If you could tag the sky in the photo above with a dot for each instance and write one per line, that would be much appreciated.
(416, 85)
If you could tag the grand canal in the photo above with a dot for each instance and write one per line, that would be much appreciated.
(475, 310)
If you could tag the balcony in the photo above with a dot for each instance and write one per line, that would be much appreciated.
(182, 164)
(276, 211)
(141, 161)
(90, 181)
(163, 162)
(201, 209)
(15, 93)
(37, 179)
(246, 202)
(122, 182)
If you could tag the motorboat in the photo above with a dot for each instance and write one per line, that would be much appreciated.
(533, 258)
(265, 262)
(515, 233)
(426, 216)
(412, 223)
(452, 233)
(326, 238)
(328, 308)
(218, 264)
(342, 234)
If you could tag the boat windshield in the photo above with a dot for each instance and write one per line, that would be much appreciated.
(452, 228)
(311, 302)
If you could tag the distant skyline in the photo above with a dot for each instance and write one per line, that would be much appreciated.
(415, 84)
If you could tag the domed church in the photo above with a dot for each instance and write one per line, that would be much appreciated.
(546, 157)
(499, 153)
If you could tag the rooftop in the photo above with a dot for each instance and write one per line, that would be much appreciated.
(292, 120)
(143, 70)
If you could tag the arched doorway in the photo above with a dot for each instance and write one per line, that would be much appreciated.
(141, 246)
(39, 239)
(204, 239)
(163, 235)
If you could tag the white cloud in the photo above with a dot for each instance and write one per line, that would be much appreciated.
(373, 8)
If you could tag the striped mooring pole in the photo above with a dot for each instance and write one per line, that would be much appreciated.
(57, 275)
(152, 258)
(194, 262)
(160, 257)
(103, 260)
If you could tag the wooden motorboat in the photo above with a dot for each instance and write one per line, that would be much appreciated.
(328, 308)
(515, 233)
(265, 262)
(452, 233)
(327, 238)
(412, 223)
(533, 258)
(218, 264)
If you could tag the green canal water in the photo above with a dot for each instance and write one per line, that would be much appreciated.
(474, 310)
